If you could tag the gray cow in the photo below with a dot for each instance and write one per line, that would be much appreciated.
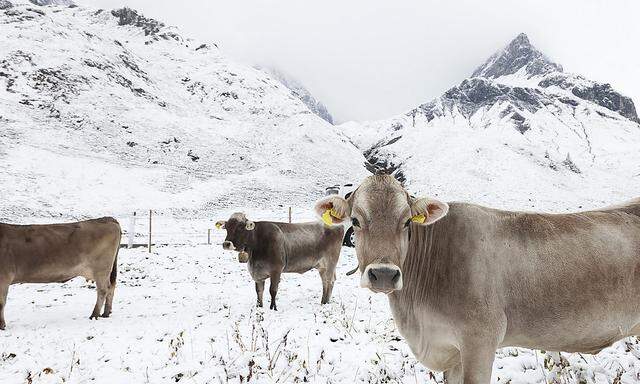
(273, 248)
(463, 280)
(55, 253)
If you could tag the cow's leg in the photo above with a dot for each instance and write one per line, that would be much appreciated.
(323, 272)
(477, 360)
(102, 287)
(259, 291)
(113, 277)
(108, 302)
(4, 290)
(328, 276)
(453, 375)
(273, 289)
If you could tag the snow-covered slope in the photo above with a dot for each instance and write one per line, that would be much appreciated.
(103, 112)
(300, 91)
(519, 133)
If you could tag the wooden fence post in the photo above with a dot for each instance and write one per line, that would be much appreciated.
(209, 236)
(132, 230)
(150, 212)
(289, 214)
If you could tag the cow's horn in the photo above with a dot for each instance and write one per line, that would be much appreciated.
(250, 225)
(351, 272)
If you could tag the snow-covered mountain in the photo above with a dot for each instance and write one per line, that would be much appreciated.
(110, 111)
(520, 128)
(300, 91)
(6, 4)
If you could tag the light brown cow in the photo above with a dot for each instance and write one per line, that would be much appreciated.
(55, 253)
(463, 280)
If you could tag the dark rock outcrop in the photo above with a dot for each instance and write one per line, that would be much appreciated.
(601, 94)
(476, 93)
(128, 16)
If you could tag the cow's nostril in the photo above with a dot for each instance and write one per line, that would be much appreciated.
(396, 277)
(372, 276)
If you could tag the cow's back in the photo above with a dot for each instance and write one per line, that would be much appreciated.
(306, 243)
(57, 252)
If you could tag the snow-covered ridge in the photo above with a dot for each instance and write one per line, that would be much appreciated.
(519, 129)
(5, 4)
(126, 114)
(300, 91)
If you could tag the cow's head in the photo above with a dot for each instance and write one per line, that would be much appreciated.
(381, 212)
(239, 231)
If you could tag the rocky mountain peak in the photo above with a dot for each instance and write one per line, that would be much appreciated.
(518, 54)
(518, 105)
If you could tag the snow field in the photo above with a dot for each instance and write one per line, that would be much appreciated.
(186, 313)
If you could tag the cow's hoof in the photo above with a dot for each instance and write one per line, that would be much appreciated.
(105, 315)
(259, 305)
(94, 317)
(2, 327)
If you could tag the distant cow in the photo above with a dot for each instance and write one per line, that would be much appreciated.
(463, 280)
(273, 248)
(55, 253)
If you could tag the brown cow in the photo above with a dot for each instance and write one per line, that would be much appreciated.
(55, 253)
(273, 248)
(463, 280)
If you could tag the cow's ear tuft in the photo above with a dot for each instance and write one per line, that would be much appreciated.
(250, 225)
(333, 210)
(426, 211)
(220, 224)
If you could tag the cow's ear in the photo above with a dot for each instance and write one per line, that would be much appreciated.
(427, 211)
(333, 210)
(220, 224)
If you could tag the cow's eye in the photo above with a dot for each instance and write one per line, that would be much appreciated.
(406, 224)
(355, 222)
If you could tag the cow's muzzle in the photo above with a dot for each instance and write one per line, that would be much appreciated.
(228, 246)
(384, 278)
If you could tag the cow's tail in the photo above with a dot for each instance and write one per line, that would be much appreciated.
(114, 269)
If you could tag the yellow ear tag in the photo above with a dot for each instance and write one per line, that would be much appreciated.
(326, 216)
(218, 225)
(420, 219)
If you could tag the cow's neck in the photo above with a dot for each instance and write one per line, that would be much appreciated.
(251, 242)
(426, 274)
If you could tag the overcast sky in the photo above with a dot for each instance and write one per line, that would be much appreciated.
(372, 59)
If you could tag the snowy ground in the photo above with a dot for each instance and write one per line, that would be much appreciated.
(187, 314)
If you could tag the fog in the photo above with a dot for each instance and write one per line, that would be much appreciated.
(372, 59)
